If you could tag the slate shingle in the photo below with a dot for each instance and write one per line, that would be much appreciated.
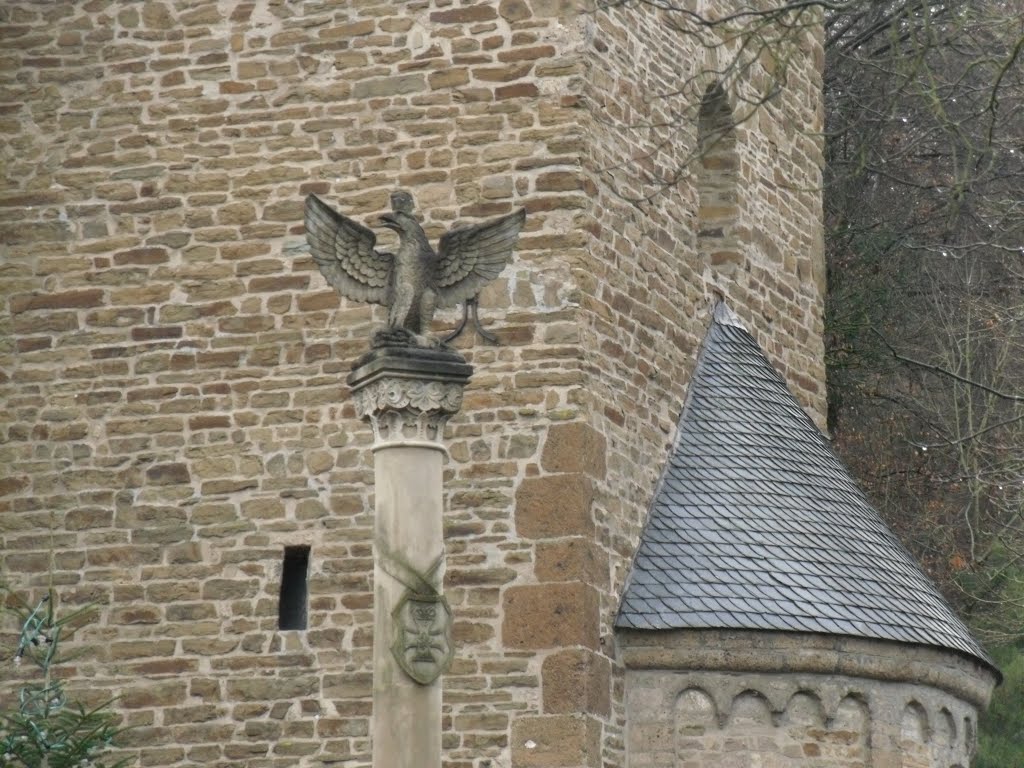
(756, 523)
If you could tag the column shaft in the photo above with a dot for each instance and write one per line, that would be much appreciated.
(409, 527)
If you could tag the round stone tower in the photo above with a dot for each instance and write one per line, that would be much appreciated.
(770, 617)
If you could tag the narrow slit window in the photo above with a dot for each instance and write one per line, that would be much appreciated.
(291, 610)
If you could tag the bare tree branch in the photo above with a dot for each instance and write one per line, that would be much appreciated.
(946, 372)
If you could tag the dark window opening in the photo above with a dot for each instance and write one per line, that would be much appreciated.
(291, 608)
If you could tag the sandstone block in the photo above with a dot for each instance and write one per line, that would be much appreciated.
(245, 324)
(289, 211)
(209, 422)
(514, 10)
(46, 321)
(121, 556)
(166, 592)
(163, 535)
(250, 69)
(208, 646)
(86, 517)
(168, 474)
(560, 8)
(30, 199)
(575, 559)
(515, 91)
(198, 713)
(576, 681)
(34, 343)
(551, 616)
(280, 283)
(559, 181)
(527, 54)
(554, 505)
(142, 256)
(190, 611)
(154, 694)
(139, 614)
(272, 688)
(155, 334)
(556, 741)
(228, 589)
(389, 86)
(469, 632)
(478, 12)
(574, 447)
(448, 78)
(31, 232)
(91, 297)
(504, 74)
(349, 30)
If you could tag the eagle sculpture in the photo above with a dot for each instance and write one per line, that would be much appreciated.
(415, 280)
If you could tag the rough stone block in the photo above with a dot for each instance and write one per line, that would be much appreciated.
(551, 616)
(574, 447)
(154, 694)
(559, 8)
(576, 681)
(554, 505)
(479, 12)
(514, 10)
(389, 86)
(515, 91)
(556, 741)
(448, 78)
(168, 474)
(559, 181)
(272, 688)
(576, 559)
(91, 297)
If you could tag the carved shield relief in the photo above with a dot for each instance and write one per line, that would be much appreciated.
(423, 645)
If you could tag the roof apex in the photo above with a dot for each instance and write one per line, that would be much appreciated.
(724, 315)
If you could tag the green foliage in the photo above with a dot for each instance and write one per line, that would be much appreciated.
(1001, 732)
(43, 730)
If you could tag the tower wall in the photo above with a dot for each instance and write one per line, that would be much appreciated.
(741, 219)
(721, 698)
(173, 364)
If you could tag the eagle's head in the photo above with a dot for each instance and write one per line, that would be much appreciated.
(401, 219)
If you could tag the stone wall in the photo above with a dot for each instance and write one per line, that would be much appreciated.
(801, 702)
(811, 721)
(742, 220)
(173, 364)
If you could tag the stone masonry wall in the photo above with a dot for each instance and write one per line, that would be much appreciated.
(172, 364)
(794, 721)
(743, 222)
(789, 700)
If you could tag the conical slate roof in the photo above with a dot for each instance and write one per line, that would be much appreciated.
(756, 524)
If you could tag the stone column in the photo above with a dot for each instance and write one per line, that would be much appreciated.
(407, 394)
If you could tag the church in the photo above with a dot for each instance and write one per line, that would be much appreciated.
(653, 556)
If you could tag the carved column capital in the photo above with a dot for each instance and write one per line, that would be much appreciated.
(405, 409)
(408, 393)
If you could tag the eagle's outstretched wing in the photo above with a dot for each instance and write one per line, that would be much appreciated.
(343, 250)
(470, 257)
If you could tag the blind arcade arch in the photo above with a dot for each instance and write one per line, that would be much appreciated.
(717, 182)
